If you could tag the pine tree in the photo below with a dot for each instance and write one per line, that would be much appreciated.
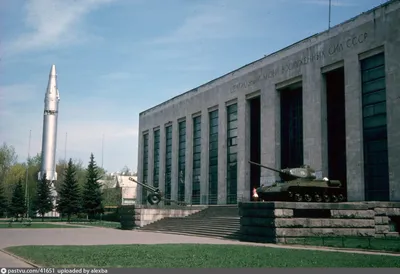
(69, 202)
(93, 199)
(18, 204)
(92, 195)
(43, 202)
(3, 200)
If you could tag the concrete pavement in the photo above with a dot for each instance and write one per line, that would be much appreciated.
(10, 261)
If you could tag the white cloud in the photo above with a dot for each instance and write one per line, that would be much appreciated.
(334, 3)
(207, 22)
(53, 23)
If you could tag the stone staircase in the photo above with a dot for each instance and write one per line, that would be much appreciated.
(219, 221)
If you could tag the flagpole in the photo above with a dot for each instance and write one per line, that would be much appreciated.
(329, 23)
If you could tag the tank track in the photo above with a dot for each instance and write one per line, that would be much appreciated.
(307, 194)
(316, 194)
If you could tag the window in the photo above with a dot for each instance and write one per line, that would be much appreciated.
(181, 161)
(213, 158)
(156, 162)
(196, 160)
(145, 165)
(232, 154)
(376, 167)
(168, 162)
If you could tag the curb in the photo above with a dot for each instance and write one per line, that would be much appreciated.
(19, 258)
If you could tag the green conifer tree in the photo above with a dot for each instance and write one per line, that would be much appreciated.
(43, 202)
(18, 204)
(69, 201)
(92, 194)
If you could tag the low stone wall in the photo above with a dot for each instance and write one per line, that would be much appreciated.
(279, 221)
(136, 216)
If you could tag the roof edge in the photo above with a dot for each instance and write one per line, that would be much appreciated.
(388, 3)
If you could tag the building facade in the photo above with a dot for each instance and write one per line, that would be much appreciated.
(331, 101)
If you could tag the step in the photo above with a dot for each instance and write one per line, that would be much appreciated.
(203, 234)
(199, 232)
(214, 222)
(234, 238)
(196, 222)
(229, 226)
(208, 229)
(194, 229)
(204, 218)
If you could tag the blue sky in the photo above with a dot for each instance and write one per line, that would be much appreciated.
(116, 58)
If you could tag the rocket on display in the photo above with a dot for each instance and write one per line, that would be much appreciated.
(49, 138)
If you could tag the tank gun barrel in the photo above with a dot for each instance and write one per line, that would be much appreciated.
(270, 168)
(151, 188)
(286, 175)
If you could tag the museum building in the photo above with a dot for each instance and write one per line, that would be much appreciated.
(331, 101)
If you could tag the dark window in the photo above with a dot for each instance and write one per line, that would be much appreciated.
(181, 161)
(213, 159)
(156, 162)
(376, 169)
(145, 165)
(232, 154)
(196, 160)
(168, 162)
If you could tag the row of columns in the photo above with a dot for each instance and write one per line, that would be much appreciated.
(314, 135)
(222, 155)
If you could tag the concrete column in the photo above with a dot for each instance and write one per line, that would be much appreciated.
(175, 158)
(392, 66)
(354, 147)
(243, 181)
(313, 106)
(222, 167)
(269, 123)
(189, 158)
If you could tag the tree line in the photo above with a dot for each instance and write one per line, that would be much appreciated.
(78, 189)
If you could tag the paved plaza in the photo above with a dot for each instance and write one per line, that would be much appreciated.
(106, 236)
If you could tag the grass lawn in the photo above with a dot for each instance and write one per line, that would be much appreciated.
(385, 244)
(35, 225)
(4, 222)
(194, 255)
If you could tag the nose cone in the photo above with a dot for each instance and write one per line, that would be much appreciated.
(53, 70)
(52, 84)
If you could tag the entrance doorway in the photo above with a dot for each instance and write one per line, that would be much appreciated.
(292, 126)
(255, 142)
(336, 125)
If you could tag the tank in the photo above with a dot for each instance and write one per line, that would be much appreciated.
(300, 184)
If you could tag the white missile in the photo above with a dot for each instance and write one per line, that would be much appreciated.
(49, 137)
